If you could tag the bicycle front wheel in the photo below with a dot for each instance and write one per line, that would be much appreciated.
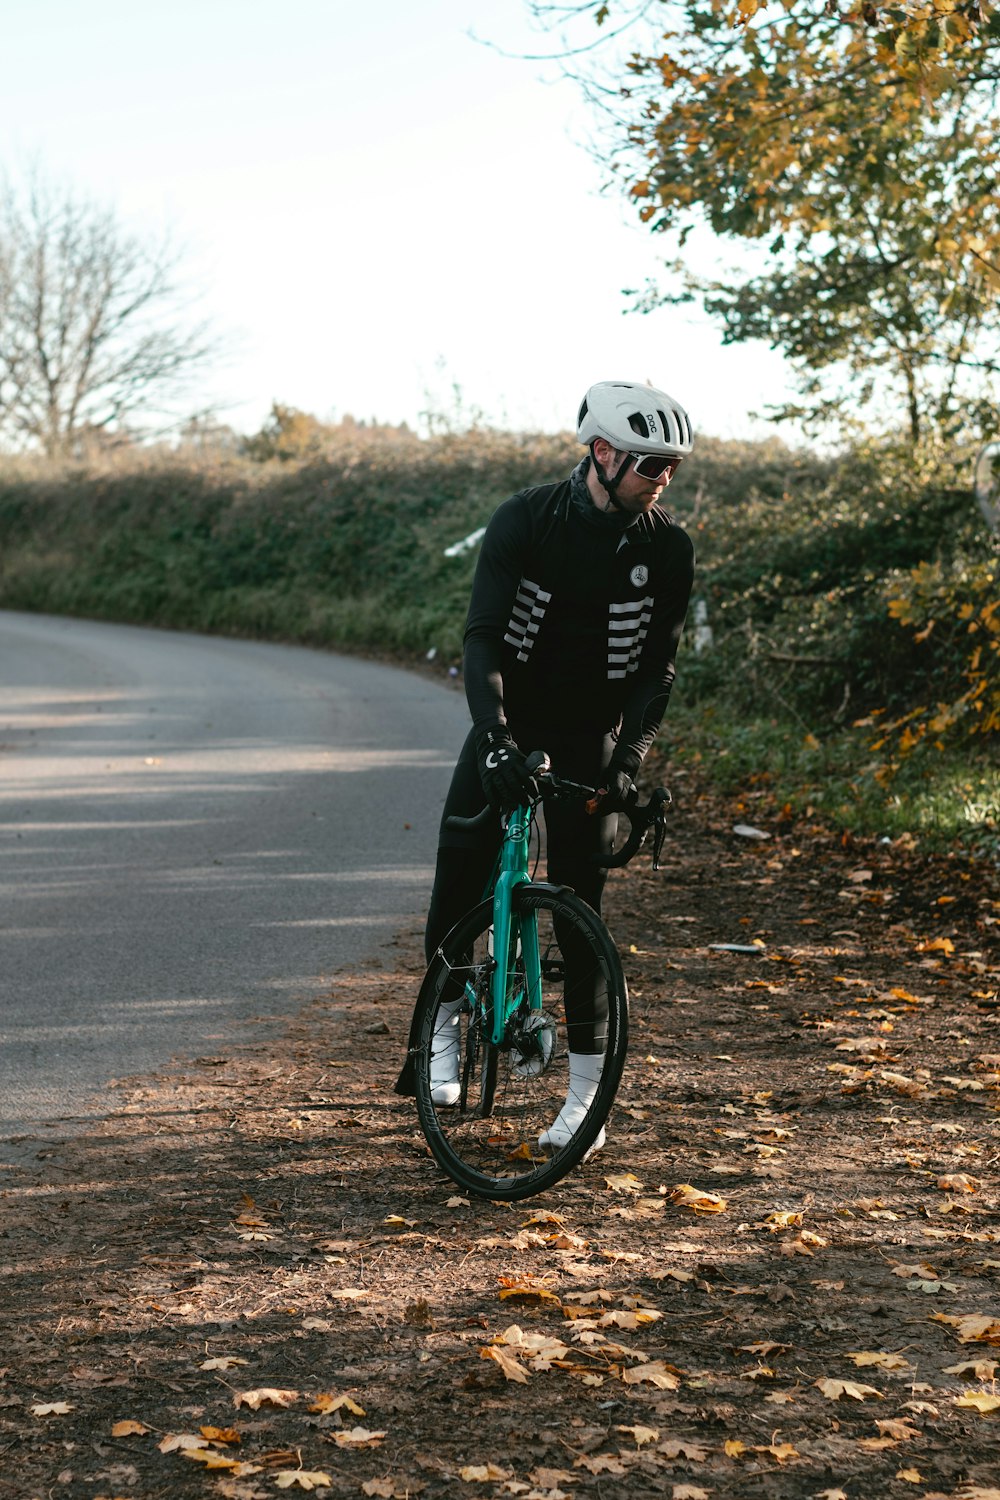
(507, 1120)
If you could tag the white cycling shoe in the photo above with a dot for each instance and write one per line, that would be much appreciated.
(585, 1071)
(445, 1057)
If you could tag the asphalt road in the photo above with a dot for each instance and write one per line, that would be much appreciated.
(193, 832)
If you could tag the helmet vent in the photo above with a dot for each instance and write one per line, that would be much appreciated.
(638, 424)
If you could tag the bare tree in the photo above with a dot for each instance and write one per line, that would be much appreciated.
(91, 320)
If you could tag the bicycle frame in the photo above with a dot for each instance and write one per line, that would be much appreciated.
(508, 928)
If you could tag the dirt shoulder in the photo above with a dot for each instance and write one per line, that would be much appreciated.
(250, 1277)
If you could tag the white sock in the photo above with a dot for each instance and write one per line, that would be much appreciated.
(585, 1069)
(445, 1046)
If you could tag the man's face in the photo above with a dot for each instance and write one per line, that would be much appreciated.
(635, 494)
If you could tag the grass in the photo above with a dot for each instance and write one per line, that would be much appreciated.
(941, 798)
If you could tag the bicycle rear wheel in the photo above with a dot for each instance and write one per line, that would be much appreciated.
(515, 1117)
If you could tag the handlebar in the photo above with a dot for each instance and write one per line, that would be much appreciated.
(641, 817)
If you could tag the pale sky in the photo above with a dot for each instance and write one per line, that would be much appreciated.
(373, 204)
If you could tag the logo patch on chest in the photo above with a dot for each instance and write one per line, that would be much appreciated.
(639, 575)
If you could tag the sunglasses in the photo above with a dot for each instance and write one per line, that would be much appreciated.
(653, 465)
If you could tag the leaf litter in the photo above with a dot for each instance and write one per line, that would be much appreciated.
(274, 1239)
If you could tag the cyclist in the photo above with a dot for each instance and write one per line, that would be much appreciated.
(577, 607)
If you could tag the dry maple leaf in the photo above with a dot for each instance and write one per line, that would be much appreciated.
(480, 1473)
(327, 1401)
(509, 1363)
(972, 1328)
(174, 1442)
(358, 1437)
(697, 1199)
(52, 1408)
(681, 1448)
(265, 1396)
(913, 1476)
(837, 1494)
(783, 1219)
(211, 1458)
(689, 1492)
(899, 1429)
(640, 1318)
(128, 1428)
(879, 1357)
(600, 1463)
(654, 1373)
(834, 1389)
(222, 1362)
(780, 1452)
(982, 1402)
(316, 1480)
(981, 1369)
(624, 1182)
(641, 1434)
(958, 1182)
(549, 1479)
(221, 1434)
(380, 1489)
(732, 1448)
(526, 1293)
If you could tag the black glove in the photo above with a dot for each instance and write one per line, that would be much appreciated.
(618, 793)
(502, 771)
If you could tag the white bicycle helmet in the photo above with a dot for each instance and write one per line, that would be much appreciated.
(634, 418)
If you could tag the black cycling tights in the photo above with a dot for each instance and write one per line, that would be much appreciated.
(465, 863)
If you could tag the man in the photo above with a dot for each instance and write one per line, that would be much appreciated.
(577, 607)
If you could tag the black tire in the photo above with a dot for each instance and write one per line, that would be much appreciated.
(509, 1095)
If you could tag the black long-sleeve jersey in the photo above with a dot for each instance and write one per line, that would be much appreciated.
(575, 618)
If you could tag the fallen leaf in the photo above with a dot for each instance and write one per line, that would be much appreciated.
(697, 1199)
(327, 1401)
(211, 1458)
(358, 1437)
(548, 1479)
(654, 1373)
(689, 1492)
(316, 1480)
(732, 1448)
(624, 1182)
(128, 1428)
(220, 1434)
(678, 1448)
(913, 1476)
(175, 1442)
(834, 1389)
(52, 1408)
(222, 1362)
(511, 1366)
(601, 1463)
(972, 1328)
(265, 1396)
(898, 1429)
(980, 1369)
(482, 1473)
(983, 1403)
(958, 1182)
(780, 1452)
(527, 1293)
(641, 1434)
(879, 1357)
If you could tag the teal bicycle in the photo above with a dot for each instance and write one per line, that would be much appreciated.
(521, 1024)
